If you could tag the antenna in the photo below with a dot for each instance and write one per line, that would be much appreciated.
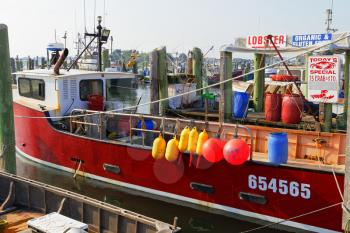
(329, 19)
(104, 12)
(95, 16)
(65, 39)
(85, 17)
(55, 37)
(111, 44)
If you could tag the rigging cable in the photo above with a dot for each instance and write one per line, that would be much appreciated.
(292, 218)
(196, 90)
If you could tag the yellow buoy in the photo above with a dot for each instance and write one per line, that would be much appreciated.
(192, 140)
(158, 149)
(203, 136)
(172, 150)
(184, 139)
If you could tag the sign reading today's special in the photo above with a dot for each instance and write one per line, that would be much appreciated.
(323, 80)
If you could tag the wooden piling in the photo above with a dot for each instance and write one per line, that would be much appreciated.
(163, 79)
(225, 106)
(327, 127)
(346, 83)
(189, 66)
(346, 201)
(7, 134)
(154, 108)
(197, 64)
(259, 82)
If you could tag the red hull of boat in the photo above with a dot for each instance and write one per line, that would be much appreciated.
(37, 139)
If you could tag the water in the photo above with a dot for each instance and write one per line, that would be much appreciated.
(190, 220)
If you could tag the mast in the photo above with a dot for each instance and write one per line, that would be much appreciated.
(329, 19)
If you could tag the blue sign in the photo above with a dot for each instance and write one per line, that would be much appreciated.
(309, 40)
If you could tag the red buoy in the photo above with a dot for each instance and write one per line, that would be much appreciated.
(212, 150)
(236, 151)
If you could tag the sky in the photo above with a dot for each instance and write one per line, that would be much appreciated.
(177, 24)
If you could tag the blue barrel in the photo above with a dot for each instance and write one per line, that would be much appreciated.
(148, 125)
(277, 151)
(240, 101)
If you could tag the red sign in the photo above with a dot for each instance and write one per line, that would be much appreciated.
(260, 42)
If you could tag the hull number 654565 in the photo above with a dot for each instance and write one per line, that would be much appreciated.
(283, 187)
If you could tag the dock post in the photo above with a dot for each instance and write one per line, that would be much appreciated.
(105, 58)
(7, 133)
(163, 79)
(327, 117)
(346, 201)
(346, 83)
(225, 106)
(197, 64)
(259, 82)
(154, 108)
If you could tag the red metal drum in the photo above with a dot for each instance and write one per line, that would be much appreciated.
(95, 102)
(273, 105)
(283, 78)
(292, 107)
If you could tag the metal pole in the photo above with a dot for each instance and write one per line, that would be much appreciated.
(99, 31)
(7, 132)
(75, 61)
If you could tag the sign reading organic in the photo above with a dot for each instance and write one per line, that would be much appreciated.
(261, 41)
(323, 80)
(310, 39)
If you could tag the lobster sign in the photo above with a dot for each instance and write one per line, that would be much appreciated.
(323, 79)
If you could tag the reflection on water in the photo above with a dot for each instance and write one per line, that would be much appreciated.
(118, 91)
(190, 220)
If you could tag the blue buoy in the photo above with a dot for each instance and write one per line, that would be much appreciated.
(277, 151)
(240, 101)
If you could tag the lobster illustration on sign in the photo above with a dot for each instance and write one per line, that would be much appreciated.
(323, 65)
(322, 95)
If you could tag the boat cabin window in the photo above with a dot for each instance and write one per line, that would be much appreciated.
(120, 90)
(32, 88)
(90, 87)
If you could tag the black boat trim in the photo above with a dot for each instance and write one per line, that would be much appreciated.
(254, 198)
(111, 168)
(204, 188)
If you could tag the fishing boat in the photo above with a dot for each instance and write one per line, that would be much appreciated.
(73, 121)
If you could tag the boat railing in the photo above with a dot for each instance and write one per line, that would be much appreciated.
(301, 143)
(167, 125)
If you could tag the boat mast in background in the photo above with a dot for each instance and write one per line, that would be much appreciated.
(329, 19)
